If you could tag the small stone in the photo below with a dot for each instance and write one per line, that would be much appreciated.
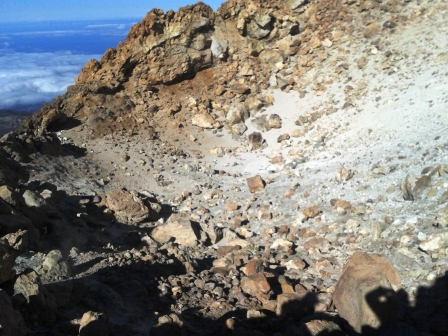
(327, 43)
(55, 264)
(264, 213)
(295, 264)
(372, 30)
(129, 207)
(255, 183)
(281, 245)
(275, 121)
(344, 174)
(311, 211)
(9, 195)
(288, 193)
(124, 157)
(320, 327)
(256, 285)
(297, 133)
(442, 217)
(255, 140)
(283, 137)
(231, 206)
(95, 324)
(286, 286)
(203, 120)
(435, 242)
(253, 266)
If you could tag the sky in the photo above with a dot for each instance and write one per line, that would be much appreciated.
(34, 10)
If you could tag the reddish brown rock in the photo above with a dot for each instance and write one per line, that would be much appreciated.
(254, 266)
(364, 294)
(286, 286)
(256, 285)
(255, 183)
(340, 203)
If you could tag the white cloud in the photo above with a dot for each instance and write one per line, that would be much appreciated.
(29, 79)
(110, 25)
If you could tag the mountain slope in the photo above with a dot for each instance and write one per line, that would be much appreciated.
(272, 167)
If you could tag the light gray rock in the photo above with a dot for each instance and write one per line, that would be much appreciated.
(55, 264)
(182, 230)
(219, 47)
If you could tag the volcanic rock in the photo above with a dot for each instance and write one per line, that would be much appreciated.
(128, 207)
(255, 183)
(365, 293)
(182, 230)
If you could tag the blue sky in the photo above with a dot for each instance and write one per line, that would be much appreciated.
(33, 10)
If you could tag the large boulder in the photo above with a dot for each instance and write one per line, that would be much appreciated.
(365, 293)
(182, 230)
(129, 207)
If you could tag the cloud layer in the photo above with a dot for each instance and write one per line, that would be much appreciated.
(38, 60)
(29, 79)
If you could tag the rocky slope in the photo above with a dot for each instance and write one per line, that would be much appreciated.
(272, 168)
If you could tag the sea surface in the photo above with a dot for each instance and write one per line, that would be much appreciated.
(38, 60)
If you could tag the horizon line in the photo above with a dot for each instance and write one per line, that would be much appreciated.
(73, 20)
